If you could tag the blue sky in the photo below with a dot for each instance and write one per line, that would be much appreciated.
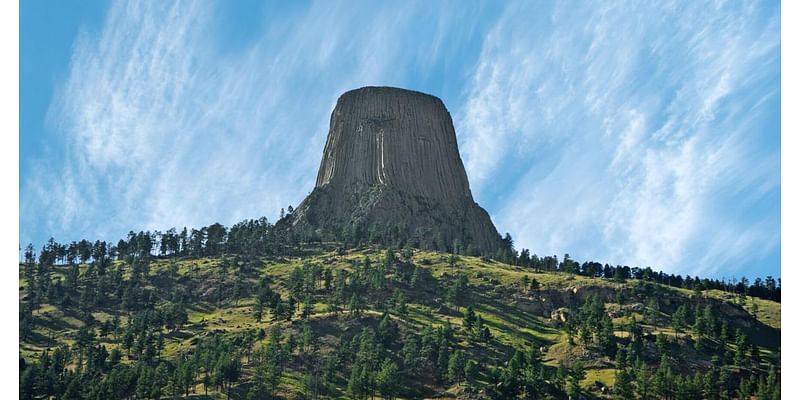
(645, 134)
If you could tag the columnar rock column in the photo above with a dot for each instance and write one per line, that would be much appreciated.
(391, 165)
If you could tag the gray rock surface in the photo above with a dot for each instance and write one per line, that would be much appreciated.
(391, 168)
(396, 138)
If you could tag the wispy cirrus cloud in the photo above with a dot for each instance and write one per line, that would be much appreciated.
(643, 134)
(164, 125)
(632, 133)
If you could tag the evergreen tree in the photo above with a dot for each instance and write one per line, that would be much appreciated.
(679, 318)
(387, 330)
(356, 305)
(576, 375)
(623, 387)
(699, 326)
(459, 291)
(469, 318)
(456, 365)
(742, 346)
(388, 379)
(471, 370)
(643, 382)
(662, 380)
(410, 353)
(606, 337)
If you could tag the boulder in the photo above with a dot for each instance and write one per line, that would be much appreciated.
(560, 314)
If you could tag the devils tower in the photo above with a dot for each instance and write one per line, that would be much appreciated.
(391, 173)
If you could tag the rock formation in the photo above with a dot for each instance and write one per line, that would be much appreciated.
(391, 171)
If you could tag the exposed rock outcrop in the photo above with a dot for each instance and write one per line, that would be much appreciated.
(560, 315)
(391, 169)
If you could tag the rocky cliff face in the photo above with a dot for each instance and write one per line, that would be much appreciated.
(391, 169)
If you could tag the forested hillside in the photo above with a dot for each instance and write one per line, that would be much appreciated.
(238, 313)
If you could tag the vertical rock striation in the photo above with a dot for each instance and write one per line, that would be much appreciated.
(396, 138)
(391, 170)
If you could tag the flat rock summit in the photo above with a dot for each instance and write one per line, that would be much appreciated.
(390, 173)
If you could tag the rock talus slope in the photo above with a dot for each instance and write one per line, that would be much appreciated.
(391, 168)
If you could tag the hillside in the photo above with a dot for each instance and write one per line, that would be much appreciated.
(377, 322)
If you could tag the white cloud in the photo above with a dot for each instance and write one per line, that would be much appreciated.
(637, 125)
(162, 128)
(629, 133)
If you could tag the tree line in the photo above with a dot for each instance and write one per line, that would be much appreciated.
(768, 288)
(259, 237)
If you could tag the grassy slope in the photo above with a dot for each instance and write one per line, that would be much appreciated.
(494, 285)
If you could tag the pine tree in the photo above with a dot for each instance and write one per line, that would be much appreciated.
(410, 353)
(723, 382)
(623, 387)
(308, 308)
(606, 337)
(573, 379)
(388, 379)
(308, 339)
(387, 330)
(643, 382)
(459, 291)
(456, 365)
(741, 348)
(661, 343)
(662, 380)
(679, 318)
(355, 305)
(469, 318)
(470, 370)
(443, 358)
(710, 321)
(258, 308)
(357, 384)
(699, 323)
(710, 389)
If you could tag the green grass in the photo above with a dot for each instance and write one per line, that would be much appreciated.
(607, 376)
